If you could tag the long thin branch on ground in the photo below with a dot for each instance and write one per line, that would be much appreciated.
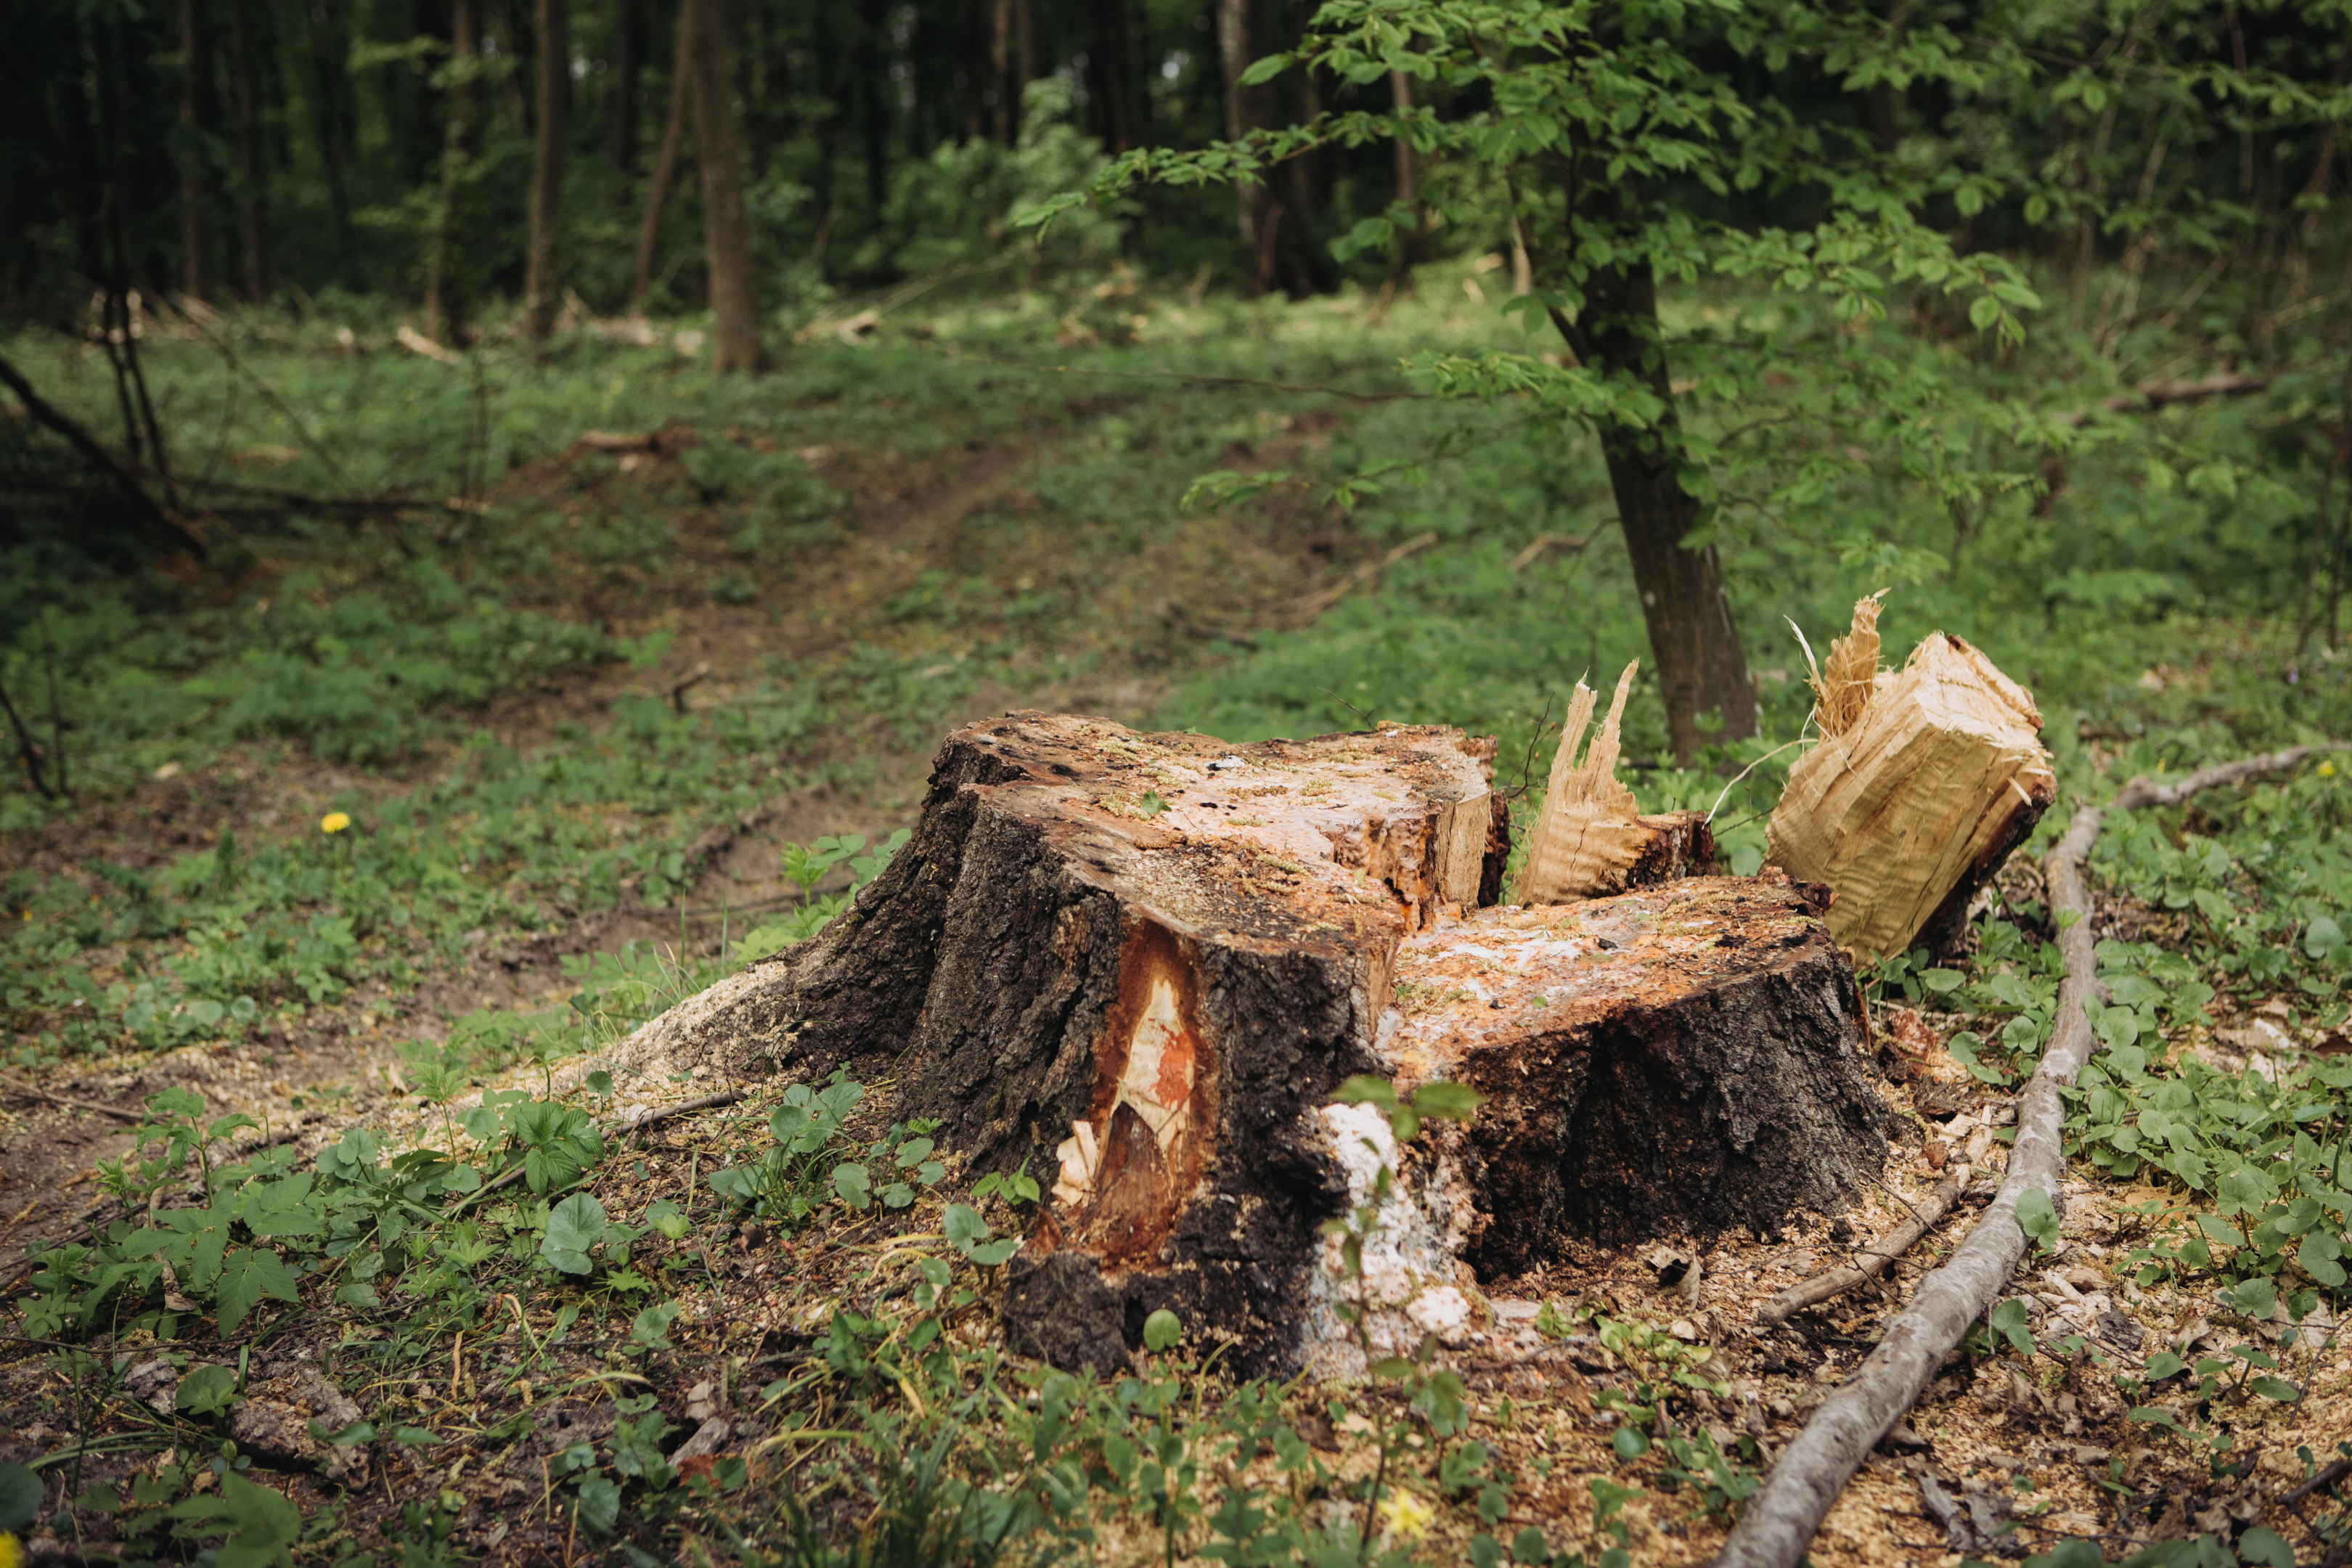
(28, 1091)
(1779, 1522)
(94, 452)
(1838, 1281)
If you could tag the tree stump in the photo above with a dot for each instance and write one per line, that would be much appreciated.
(1141, 963)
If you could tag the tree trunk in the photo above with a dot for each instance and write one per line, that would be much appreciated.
(1140, 964)
(554, 59)
(726, 225)
(444, 297)
(1701, 666)
(665, 174)
(1273, 236)
(1408, 182)
(1111, 62)
(330, 97)
(629, 47)
(1001, 69)
(195, 62)
(248, 151)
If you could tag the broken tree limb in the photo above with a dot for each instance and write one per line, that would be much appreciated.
(1924, 781)
(1591, 839)
(1836, 1282)
(1779, 1522)
(94, 452)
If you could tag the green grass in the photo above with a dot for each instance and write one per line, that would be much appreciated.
(982, 507)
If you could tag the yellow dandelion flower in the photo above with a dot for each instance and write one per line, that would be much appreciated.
(334, 822)
(1406, 1516)
(2327, 769)
(10, 1554)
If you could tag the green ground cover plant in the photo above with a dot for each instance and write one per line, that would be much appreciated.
(483, 699)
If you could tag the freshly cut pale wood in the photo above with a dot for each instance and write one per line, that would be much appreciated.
(1922, 783)
(1591, 839)
(1142, 964)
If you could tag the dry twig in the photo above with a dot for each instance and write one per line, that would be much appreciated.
(1838, 1281)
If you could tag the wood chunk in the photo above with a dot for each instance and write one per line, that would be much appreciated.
(1142, 964)
(1922, 783)
(1591, 839)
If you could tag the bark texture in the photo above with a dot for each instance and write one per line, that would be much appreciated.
(554, 60)
(1617, 333)
(1141, 963)
(735, 338)
(665, 172)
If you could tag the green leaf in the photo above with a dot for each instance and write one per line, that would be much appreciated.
(20, 1496)
(1451, 1101)
(990, 1254)
(247, 1276)
(2257, 1299)
(651, 1328)
(2319, 1255)
(1983, 311)
(1630, 1442)
(2275, 1388)
(1365, 1090)
(664, 1218)
(855, 1186)
(2264, 1546)
(206, 1390)
(963, 1227)
(1162, 1331)
(2009, 1320)
(574, 1227)
(2163, 1365)
(599, 1503)
(2038, 1218)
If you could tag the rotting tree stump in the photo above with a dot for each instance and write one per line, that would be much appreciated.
(1141, 963)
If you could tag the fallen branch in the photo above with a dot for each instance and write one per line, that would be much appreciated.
(28, 1091)
(1780, 1520)
(417, 343)
(95, 453)
(2165, 393)
(1838, 1281)
(1315, 603)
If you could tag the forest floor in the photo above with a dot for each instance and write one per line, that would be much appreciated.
(776, 603)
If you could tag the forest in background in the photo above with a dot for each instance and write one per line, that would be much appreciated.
(478, 565)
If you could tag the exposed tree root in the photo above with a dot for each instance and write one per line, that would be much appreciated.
(1779, 1520)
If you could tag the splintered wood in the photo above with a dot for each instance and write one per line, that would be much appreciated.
(1924, 781)
(1591, 839)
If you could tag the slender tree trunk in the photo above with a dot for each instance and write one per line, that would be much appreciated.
(1000, 68)
(507, 24)
(194, 62)
(248, 150)
(874, 116)
(1114, 72)
(1024, 51)
(1701, 666)
(443, 298)
(1272, 236)
(628, 48)
(665, 174)
(1409, 247)
(331, 96)
(726, 225)
(547, 172)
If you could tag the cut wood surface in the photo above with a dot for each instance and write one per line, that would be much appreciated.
(1591, 838)
(1923, 782)
(1779, 1522)
(1143, 963)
